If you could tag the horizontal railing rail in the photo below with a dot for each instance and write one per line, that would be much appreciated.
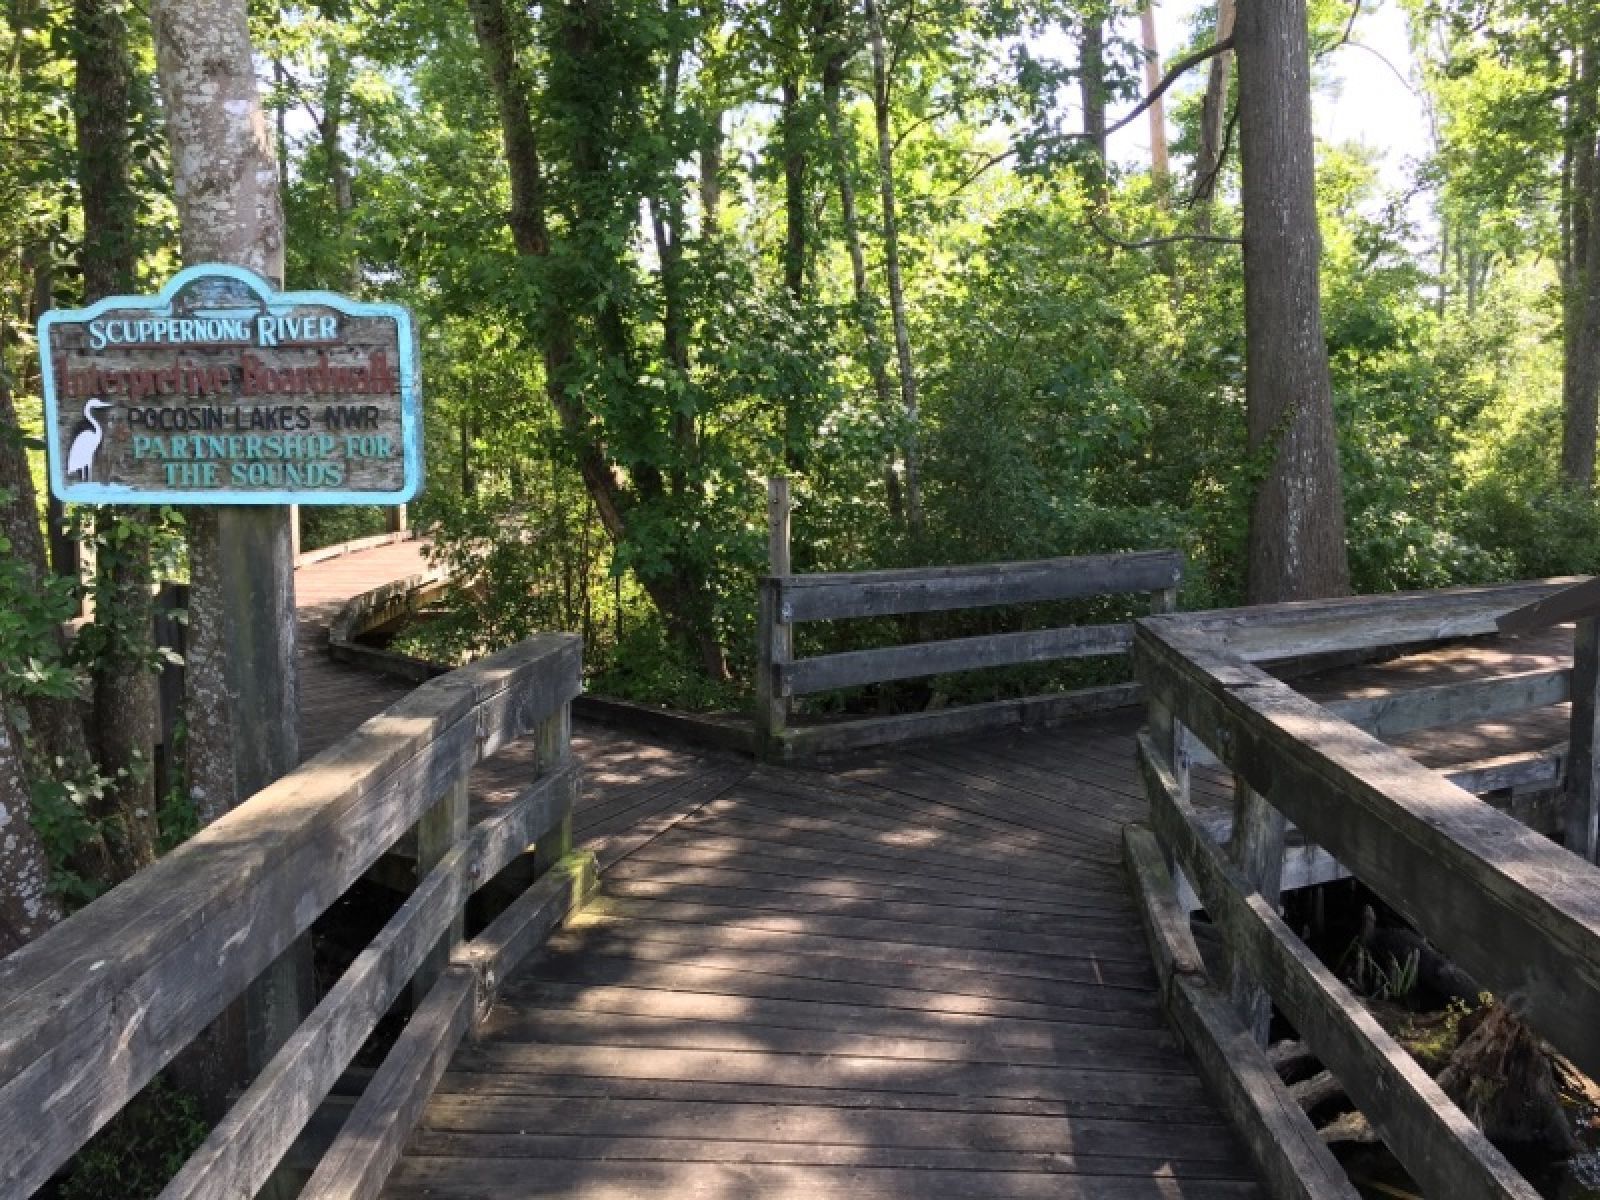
(788, 600)
(91, 1011)
(1518, 912)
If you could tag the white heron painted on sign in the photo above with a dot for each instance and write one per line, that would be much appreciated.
(80, 456)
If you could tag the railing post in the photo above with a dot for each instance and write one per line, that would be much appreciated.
(1257, 850)
(555, 742)
(775, 634)
(1583, 759)
(440, 828)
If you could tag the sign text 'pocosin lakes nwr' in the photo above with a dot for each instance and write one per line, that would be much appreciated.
(222, 391)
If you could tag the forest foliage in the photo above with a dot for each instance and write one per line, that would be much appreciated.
(661, 250)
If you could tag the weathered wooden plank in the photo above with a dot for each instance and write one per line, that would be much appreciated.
(1256, 848)
(525, 924)
(1073, 942)
(1317, 627)
(595, 969)
(939, 589)
(1279, 1140)
(1442, 1149)
(440, 830)
(852, 668)
(1516, 911)
(1453, 703)
(439, 1178)
(1536, 769)
(1569, 604)
(1027, 1037)
(537, 1146)
(807, 1124)
(1583, 764)
(1028, 712)
(1166, 924)
(92, 1010)
(359, 1162)
(258, 1130)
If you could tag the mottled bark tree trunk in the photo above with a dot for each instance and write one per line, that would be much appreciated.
(242, 702)
(1092, 83)
(1213, 119)
(126, 707)
(866, 303)
(1580, 378)
(227, 190)
(710, 155)
(27, 907)
(1297, 548)
(891, 266)
(1158, 109)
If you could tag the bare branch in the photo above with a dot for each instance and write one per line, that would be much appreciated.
(1187, 63)
(989, 162)
(1215, 239)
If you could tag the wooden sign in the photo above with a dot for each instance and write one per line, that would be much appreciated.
(222, 391)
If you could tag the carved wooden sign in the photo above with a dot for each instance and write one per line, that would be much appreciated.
(222, 391)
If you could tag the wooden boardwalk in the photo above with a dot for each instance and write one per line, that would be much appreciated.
(913, 973)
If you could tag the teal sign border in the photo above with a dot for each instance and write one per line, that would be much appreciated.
(276, 303)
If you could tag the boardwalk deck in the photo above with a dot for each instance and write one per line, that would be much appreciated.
(915, 975)
(911, 973)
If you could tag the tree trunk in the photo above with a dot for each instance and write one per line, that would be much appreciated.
(1158, 109)
(125, 672)
(681, 599)
(710, 156)
(27, 907)
(1213, 119)
(1580, 378)
(1297, 548)
(891, 263)
(242, 701)
(331, 134)
(1092, 83)
(866, 304)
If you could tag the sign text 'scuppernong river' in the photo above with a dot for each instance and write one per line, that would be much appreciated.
(222, 391)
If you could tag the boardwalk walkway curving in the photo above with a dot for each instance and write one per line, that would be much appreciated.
(913, 973)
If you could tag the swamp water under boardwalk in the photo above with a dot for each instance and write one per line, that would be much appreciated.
(913, 974)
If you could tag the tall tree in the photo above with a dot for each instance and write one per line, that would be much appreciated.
(882, 97)
(594, 85)
(1297, 535)
(1213, 118)
(125, 664)
(837, 47)
(242, 704)
(1580, 265)
(1157, 111)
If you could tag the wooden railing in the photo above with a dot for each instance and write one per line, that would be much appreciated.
(788, 600)
(1507, 904)
(91, 1011)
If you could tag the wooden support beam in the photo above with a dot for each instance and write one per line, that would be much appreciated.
(1282, 1145)
(1512, 908)
(1027, 712)
(773, 656)
(854, 668)
(1257, 852)
(903, 591)
(441, 830)
(1583, 765)
(1439, 1145)
(359, 1162)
